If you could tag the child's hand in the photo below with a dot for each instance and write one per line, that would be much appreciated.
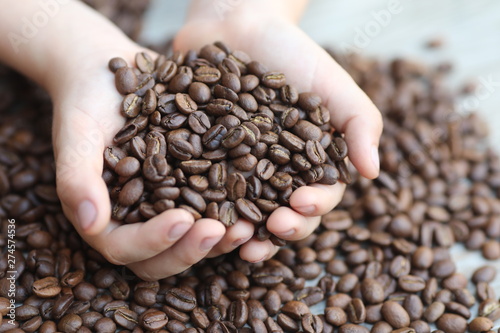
(69, 58)
(270, 36)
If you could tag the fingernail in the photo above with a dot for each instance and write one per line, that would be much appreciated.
(209, 243)
(375, 158)
(258, 260)
(286, 233)
(305, 209)
(240, 241)
(86, 214)
(178, 230)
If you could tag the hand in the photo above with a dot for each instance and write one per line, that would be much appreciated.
(280, 45)
(86, 118)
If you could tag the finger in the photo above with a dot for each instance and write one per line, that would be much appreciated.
(236, 235)
(140, 241)
(194, 246)
(78, 147)
(256, 251)
(296, 227)
(316, 199)
(352, 113)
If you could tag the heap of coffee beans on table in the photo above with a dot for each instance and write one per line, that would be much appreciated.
(379, 263)
(217, 134)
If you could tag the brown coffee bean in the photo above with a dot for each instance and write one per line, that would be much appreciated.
(352, 328)
(372, 291)
(131, 192)
(116, 63)
(281, 181)
(180, 299)
(207, 75)
(194, 199)
(245, 163)
(411, 283)
(451, 323)
(47, 287)
(480, 324)
(126, 80)
(356, 311)
(434, 311)
(292, 142)
(144, 62)
(248, 210)
(236, 186)
(185, 103)
(395, 314)
(69, 323)
(233, 137)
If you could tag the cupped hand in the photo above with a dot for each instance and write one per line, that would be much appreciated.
(86, 118)
(281, 46)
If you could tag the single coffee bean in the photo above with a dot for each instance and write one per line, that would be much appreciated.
(236, 186)
(395, 314)
(116, 63)
(315, 152)
(248, 210)
(281, 181)
(245, 162)
(126, 80)
(194, 199)
(292, 142)
(452, 323)
(185, 103)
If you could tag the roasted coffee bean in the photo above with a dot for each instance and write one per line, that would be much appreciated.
(180, 299)
(236, 186)
(292, 142)
(47, 287)
(245, 163)
(116, 63)
(395, 314)
(207, 75)
(126, 80)
(194, 199)
(213, 137)
(452, 323)
(233, 137)
(248, 210)
(356, 311)
(315, 152)
(281, 181)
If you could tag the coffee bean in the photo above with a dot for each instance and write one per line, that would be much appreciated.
(292, 142)
(245, 163)
(248, 210)
(395, 314)
(144, 62)
(116, 63)
(315, 152)
(180, 299)
(194, 199)
(185, 103)
(126, 80)
(352, 328)
(236, 186)
(451, 323)
(207, 75)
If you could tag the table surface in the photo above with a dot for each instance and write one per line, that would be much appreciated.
(470, 31)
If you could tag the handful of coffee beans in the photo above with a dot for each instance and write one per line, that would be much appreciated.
(218, 135)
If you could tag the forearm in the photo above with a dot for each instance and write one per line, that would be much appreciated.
(290, 10)
(47, 39)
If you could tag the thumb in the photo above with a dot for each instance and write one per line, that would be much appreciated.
(78, 146)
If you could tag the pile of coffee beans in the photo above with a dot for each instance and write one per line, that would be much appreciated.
(379, 263)
(217, 134)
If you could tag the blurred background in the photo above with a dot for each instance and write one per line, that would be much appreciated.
(463, 33)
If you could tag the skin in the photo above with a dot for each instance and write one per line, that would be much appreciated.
(70, 63)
